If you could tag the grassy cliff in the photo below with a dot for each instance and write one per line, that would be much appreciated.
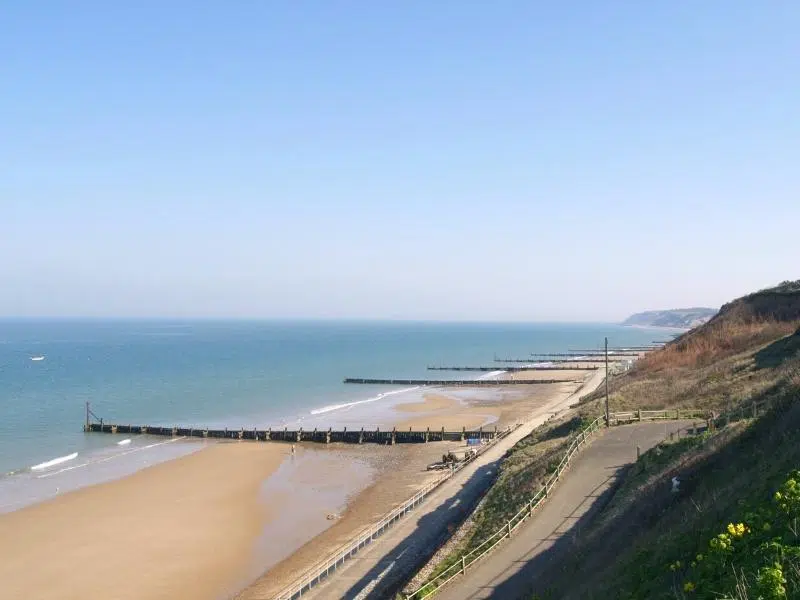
(732, 530)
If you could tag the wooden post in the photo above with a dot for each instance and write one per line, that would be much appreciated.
(463, 565)
(638, 453)
(427, 434)
(639, 414)
(755, 410)
(608, 423)
(509, 529)
(87, 427)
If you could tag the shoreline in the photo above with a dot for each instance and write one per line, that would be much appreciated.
(273, 515)
(406, 474)
(183, 528)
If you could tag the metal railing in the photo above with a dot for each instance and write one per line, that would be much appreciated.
(335, 560)
(676, 414)
(471, 557)
(460, 566)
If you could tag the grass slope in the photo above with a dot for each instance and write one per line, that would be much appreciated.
(646, 542)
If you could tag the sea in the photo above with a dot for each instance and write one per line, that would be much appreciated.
(224, 374)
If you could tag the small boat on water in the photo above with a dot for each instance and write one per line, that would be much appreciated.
(37, 358)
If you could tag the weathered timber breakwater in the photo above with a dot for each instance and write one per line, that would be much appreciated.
(329, 436)
(611, 355)
(513, 369)
(562, 362)
(457, 382)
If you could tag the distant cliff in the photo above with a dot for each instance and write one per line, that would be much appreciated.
(684, 318)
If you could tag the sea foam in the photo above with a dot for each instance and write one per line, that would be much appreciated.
(333, 407)
(492, 375)
(54, 462)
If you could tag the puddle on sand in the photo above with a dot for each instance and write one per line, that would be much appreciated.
(305, 489)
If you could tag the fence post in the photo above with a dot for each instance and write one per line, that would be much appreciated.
(509, 529)
(639, 414)
(638, 453)
(463, 565)
(755, 410)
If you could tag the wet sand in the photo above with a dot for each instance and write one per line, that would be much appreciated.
(401, 470)
(209, 524)
(182, 529)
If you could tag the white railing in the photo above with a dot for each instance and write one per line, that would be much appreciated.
(335, 560)
(512, 524)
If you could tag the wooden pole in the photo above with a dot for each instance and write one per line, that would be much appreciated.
(608, 422)
(87, 416)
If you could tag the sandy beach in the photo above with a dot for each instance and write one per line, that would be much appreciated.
(240, 519)
(401, 470)
(185, 528)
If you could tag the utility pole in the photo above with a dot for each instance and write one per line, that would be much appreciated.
(608, 421)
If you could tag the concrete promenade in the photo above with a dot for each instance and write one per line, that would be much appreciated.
(381, 567)
(511, 569)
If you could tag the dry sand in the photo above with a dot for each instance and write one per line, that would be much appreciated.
(438, 410)
(401, 469)
(181, 529)
(195, 527)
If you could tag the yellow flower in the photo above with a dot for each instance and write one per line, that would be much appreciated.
(699, 557)
(688, 586)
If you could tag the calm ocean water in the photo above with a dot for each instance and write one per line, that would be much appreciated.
(233, 373)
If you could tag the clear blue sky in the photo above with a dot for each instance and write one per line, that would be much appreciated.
(416, 159)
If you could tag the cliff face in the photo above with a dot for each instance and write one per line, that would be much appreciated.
(683, 318)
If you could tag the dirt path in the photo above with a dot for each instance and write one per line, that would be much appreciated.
(510, 571)
(377, 570)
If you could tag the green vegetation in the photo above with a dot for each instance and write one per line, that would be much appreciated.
(725, 534)
(523, 472)
(759, 556)
(731, 530)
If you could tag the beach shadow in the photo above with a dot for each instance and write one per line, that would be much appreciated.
(389, 575)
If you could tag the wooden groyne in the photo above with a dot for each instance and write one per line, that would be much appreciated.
(323, 436)
(457, 382)
(618, 349)
(513, 369)
(554, 361)
(592, 354)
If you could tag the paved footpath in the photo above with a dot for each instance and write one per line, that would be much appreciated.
(510, 570)
(393, 558)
